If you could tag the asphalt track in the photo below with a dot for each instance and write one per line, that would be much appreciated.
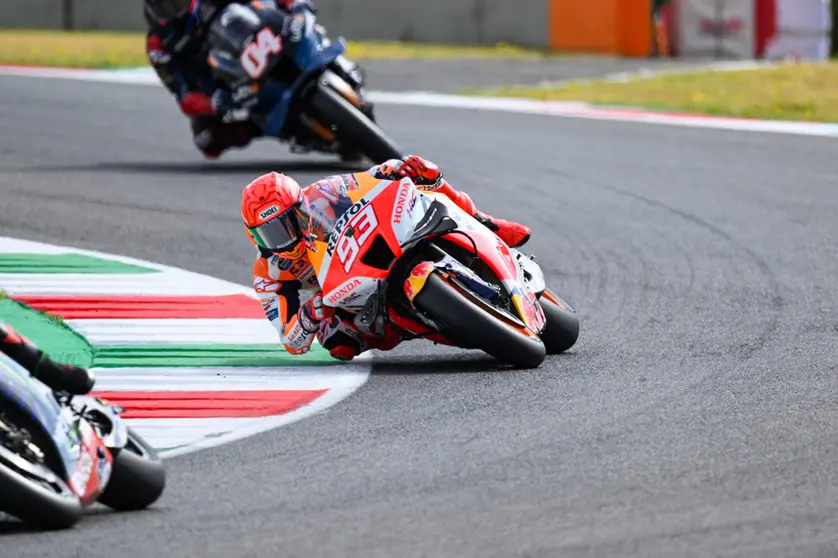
(696, 416)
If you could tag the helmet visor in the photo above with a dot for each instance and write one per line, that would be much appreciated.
(280, 234)
(165, 10)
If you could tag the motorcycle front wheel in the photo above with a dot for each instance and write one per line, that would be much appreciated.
(473, 323)
(30, 489)
(138, 476)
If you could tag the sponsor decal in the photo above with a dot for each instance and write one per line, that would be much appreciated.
(81, 476)
(104, 468)
(271, 308)
(243, 92)
(350, 298)
(336, 296)
(401, 203)
(297, 339)
(417, 278)
(260, 284)
(296, 28)
(159, 57)
(273, 210)
(282, 263)
(342, 222)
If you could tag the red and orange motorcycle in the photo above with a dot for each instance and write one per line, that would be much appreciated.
(397, 255)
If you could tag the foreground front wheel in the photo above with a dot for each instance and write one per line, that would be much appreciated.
(473, 323)
(29, 488)
(138, 477)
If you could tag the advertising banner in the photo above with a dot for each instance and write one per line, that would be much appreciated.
(720, 29)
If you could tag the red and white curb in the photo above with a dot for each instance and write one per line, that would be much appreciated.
(178, 406)
(145, 76)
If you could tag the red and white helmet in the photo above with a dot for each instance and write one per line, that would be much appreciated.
(276, 213)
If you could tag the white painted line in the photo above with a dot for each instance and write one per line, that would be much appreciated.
(228, 379)
(318, 406)
(340, 380)
(579, 110)
(171, 282)
(169, 433)
(175, 331)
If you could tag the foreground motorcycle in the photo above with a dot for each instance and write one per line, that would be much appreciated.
(396, 255)
(60, 454)
(294, 83)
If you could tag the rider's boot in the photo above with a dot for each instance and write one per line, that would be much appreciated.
(213, 137)
(513, 234)
(344, 341)
(58, 377)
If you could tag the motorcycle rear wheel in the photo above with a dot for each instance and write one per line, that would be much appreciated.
(138, 477)
(469, 323)
(30, 494)
(562, 329)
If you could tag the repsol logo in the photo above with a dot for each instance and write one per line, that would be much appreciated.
(342, 222)
(273, 210)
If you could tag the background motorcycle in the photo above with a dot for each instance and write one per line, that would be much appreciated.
(295, 84)
(60, 454)
(395, 255)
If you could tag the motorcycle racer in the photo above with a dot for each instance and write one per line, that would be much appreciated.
(174, 47)
(59, 377)
(280, 218)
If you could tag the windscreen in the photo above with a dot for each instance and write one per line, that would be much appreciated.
(230, 29)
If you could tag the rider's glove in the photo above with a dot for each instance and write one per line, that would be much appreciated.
(421, 171)
(312, 312)
(300, 331)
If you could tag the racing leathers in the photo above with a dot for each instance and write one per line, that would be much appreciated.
(179, 59)
(289, 290)
(59, 377)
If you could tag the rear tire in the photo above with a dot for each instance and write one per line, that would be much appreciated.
(138, 477)
(562, 329)
(468, 324)
(352, 127)
(55, 507)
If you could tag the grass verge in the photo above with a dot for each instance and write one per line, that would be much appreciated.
(111, 50)
(803, 92)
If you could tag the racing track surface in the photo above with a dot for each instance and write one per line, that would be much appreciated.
(696, 416)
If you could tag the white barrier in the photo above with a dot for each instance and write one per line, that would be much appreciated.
(803, 30)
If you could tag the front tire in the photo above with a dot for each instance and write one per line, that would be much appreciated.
(352, 128)
(26, 491)
(470, 325)
(562, 329)
(138, 476)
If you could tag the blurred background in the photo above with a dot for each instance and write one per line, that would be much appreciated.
(720, 29)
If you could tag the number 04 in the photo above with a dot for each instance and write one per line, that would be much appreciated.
(254, 59)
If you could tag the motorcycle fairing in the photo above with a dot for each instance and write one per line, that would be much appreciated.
(413, 215)
(238, 25)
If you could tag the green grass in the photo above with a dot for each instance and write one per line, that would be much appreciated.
(803, 92)
(100, 49)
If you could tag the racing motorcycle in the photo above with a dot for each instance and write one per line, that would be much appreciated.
(392, 254)
(294, 83)
(60, 454)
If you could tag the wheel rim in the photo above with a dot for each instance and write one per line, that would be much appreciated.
(23, 456)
